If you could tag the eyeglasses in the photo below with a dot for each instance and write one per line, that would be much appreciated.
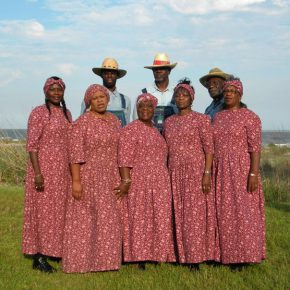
(231, 92)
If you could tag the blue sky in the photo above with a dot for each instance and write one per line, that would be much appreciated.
(248, 38)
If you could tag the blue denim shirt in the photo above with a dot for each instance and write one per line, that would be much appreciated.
(214, 107)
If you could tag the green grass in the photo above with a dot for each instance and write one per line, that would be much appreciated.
(16, 271)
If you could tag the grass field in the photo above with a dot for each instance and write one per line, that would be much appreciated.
(16, 271)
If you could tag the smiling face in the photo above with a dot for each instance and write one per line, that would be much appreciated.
(109, 77)
(232, 97)
(145, 111)
(54, 94)
(215, 87)
(99, 102)
(183, 99)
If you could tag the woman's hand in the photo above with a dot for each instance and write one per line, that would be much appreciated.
(77, 190)
(206, 183)
(39, 182)
(252, 182)
(122, 189)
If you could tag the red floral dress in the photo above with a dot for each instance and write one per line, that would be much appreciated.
(147, 209)
(188, 138)
(92, 239)
(44, 212)
(240, 214)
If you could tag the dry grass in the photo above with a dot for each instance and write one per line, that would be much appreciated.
(13, 157)
(275, 168)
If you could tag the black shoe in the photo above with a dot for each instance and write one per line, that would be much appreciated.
(141, 266)
(238, 267)
(40, 263)
(193, 267)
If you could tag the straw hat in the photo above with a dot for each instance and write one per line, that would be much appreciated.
(109, 63)
(214, 72)
(161, 60)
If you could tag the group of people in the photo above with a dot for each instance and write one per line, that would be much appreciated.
(173, 185)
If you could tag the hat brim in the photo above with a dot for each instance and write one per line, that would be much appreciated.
(203, 80)
(98, 71)
(173, 65)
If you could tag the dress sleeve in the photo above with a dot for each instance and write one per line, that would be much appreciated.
(36, 123)
(206, 134)
(127, 147)
(77, 141)
(254, 129)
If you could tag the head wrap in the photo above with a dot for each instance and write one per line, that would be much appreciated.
(187, 87)
(91, 90)
(235, 83)
(51, 81)
(147, 97)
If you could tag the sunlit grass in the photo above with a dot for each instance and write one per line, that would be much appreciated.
(16, 271)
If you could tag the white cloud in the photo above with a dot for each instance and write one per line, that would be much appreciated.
(142, 16)
(207, 6)
(66, 69)
(8, 76)
(281, 3)
(30, 28)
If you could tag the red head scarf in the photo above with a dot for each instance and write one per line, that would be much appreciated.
(147, 97)
(91, 90)
(51, 81)
(186, 87)
(235, 83)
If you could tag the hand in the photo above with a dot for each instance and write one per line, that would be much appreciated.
(77, 190)
(252, 183)
(206, 183)
(39, 182)
(122, 189)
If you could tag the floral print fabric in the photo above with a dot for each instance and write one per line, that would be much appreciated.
(188, 138)
(147, 209)
(240, 214)
(92, 240)
(44, 212)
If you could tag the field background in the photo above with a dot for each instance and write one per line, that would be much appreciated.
(274, 273)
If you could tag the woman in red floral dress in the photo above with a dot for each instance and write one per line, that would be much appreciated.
(145, 187)
(239, 195)
(48, 177)
(92, 239)
(190, 142)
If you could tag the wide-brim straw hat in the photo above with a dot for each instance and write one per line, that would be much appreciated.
(214, 72)
(109, 64)
(161, 60)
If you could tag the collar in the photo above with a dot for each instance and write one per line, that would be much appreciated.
(157, 89)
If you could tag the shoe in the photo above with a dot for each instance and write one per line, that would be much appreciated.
(40, 263)
(141, 266)
(193, 267)
(238, 267)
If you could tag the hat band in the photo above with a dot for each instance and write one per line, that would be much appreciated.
(110, 67)
(160, 62)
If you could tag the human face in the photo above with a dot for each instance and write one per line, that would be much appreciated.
(215, 87)
(109, 77)
(183, 99)
(161, 74)
(55, 94)
(145, 111)
(232, 97)
(99, 103)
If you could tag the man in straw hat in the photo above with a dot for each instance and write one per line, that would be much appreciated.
(161, 88)
(214, 81)
(119, 104)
